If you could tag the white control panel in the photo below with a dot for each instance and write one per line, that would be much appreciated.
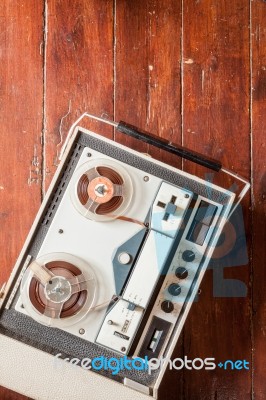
(120, 326)
(148, 269)
(169, 208)
(184, 266)
(122, 320)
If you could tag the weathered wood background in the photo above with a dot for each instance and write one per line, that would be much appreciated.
(190, 70)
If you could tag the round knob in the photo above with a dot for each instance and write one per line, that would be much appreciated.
(188, 255)
(181, 273)
(174, 289)
(167, 306)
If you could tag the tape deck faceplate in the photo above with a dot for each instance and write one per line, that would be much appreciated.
(115, 257)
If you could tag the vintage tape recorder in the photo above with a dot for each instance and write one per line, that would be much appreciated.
(111, 266)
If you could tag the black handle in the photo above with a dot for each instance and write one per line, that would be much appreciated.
(168, 146)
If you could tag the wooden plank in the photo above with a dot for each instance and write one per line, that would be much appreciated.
(6, 394)
(147, 91)
(258, 13)
(21, 125)
(79, 70)
(79, 76)
(21, 96)
(147, 70)
(216, 122)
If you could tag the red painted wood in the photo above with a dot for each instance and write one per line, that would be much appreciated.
(79, 70)
(216, 121)
(21, 96)
(259, 195)
(147, 65)
(6, 394)
(21, 125)
(181, 73)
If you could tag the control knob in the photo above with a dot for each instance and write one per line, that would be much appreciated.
(167, 306)
(181, 272)
(174, 289)
(188, 255)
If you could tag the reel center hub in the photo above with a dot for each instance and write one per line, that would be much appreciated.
(58, 290)
(101, 188)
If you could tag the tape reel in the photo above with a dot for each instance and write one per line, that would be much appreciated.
(102, 190)
(58, 289)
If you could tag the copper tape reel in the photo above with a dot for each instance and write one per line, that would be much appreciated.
(103, 190)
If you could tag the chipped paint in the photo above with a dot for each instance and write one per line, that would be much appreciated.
(202, 79)
(188, 61)
(59, 145)
(35, 170)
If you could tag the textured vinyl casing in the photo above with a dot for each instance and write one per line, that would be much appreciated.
(34, 374)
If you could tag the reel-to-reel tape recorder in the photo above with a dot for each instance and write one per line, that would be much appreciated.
(116, 255)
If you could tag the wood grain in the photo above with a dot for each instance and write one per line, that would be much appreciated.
(21, 125)
(216, 121)
(6, 394)
(184, 70)
(21, 97)
(147, 70)
(259, 195)
(79, 70)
